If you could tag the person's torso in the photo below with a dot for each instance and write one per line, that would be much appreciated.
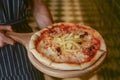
(12, 11)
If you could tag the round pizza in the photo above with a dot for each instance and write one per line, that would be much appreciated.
(67, 46)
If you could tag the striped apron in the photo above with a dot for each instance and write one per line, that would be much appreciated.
(14, 63)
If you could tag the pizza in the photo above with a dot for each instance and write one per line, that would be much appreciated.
(67, 46)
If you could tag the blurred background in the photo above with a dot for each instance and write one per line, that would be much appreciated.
(102, 15)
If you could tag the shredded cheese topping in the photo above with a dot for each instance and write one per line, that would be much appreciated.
(68, 42)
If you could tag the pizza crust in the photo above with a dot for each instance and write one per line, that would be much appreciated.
(103, 46)
(31, 42)
(33, 38)
(94, 60)
(65, 66)
(40, 57)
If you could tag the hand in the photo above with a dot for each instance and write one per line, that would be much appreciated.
(4, 39)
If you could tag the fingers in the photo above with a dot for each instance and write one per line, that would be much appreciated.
(4, 40)
(2, 44)
(8, 40)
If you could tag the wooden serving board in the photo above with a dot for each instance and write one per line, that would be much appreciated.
(24, 39)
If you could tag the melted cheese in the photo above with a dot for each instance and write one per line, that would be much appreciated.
(68, 42)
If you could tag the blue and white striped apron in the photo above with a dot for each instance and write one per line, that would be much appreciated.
(14, 63)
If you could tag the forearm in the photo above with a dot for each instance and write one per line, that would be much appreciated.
(42, 14)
